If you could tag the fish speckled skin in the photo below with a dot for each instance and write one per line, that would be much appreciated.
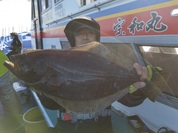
(73, 77)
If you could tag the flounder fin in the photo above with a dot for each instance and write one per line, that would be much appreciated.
(103, 51)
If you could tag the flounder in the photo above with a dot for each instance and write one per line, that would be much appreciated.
(82, 79)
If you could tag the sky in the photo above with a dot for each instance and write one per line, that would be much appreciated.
(14, 15)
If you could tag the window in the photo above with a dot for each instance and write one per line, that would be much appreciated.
(56, 1)
(167, 59)
(34, 9)
(85, 2)
(45, 4)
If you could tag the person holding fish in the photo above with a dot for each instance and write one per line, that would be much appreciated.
(80, 31)
(8, 96)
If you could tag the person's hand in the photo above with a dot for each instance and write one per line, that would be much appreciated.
(142, 71)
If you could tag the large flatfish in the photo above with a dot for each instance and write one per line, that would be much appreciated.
(82, 79)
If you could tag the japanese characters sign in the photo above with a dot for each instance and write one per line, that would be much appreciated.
(154, 23)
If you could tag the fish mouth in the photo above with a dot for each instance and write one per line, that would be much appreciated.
(21, 70)
(9, 65)
(12, 65)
